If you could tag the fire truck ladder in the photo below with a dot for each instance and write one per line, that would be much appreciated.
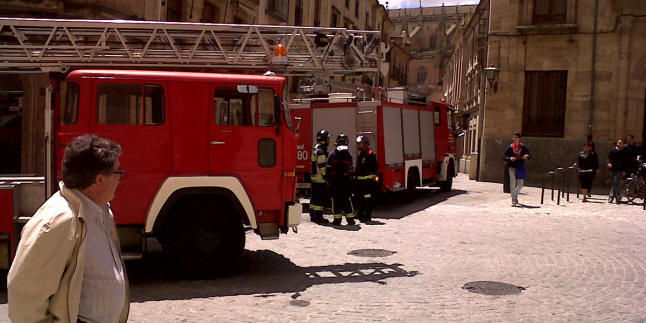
(57, 45)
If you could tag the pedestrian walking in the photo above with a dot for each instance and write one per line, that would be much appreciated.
(632, 151)
(366, 175)
(514, 157)
(68, 263)
(587, 166)
(318, 176)
(339, 167)
(618, 160)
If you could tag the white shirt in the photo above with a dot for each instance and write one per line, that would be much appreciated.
(103, 290)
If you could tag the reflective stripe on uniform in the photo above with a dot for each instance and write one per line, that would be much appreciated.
(367, 196)
(317, 179)
(316, 207)
(338, 216)
(366, 177)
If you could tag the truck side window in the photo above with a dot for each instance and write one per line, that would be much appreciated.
(436, 117)
(232, 108)
(266, 109)
(71, 105)
(125, 104)
(154, 105)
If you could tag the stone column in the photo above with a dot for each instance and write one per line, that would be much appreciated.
(33, 125)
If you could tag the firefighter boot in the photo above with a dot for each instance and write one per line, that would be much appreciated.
(350, 221)
(337, 221)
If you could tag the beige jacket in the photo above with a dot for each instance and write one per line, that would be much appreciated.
(44, 282)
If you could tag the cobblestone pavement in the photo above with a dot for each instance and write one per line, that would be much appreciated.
(577, 262)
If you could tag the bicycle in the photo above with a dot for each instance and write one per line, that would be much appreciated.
(634, 187)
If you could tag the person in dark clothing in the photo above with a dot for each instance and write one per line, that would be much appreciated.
(366, 175)
(632, 151)
(515, 156)
(339, 167)
(587, 165)
(617, 164)
(317, 177)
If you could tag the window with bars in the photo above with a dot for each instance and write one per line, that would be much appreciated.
(544, 103)
(421, 75)
(279, 8)
(174, 10)
(334, 18)
(550, 11)
(317, 13)
(298, 13)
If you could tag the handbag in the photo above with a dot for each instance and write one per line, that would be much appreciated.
(521, 173)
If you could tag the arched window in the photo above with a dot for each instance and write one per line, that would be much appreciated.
(421, 75)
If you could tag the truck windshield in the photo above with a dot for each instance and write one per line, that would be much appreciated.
(288, 116)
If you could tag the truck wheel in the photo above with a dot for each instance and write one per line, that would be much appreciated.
(447, 185)
(203, 236)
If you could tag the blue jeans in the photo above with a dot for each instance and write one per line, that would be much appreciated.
(615, 180)
(515, 185)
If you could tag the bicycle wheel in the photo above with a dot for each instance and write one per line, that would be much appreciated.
(632, 190)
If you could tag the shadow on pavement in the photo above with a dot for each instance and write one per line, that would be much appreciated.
(525, 206)
(401, 204)
(261, 272)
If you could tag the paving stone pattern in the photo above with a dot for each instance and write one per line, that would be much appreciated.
(576, 262)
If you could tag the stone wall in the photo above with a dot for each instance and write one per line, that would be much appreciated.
(619, 91)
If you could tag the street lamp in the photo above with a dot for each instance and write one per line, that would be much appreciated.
(491, 73)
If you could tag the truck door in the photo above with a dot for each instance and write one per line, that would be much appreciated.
(244, 139)
(133, 114)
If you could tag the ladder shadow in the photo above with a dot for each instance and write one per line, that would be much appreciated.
(261, 272)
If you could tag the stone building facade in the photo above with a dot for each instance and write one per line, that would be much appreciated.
(22, 95)
(430, 34)
(568, 73)
(465, 85)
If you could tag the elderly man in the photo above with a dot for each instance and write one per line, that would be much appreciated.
(68, 264)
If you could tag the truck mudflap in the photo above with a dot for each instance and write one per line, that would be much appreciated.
(294, 212)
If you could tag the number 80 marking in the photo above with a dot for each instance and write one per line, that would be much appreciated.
(302, 155)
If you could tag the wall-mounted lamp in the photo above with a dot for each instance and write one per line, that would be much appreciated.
(491, 73)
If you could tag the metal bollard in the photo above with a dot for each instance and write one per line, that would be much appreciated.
(552, 183)
(560, 187)
(568, 183)
(543, 189)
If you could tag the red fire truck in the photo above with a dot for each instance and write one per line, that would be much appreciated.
(414, 143)
(207, 155)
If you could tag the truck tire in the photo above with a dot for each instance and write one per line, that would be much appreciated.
(447, 185)
(203, 236)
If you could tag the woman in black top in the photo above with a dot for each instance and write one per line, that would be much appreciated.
(587, 166)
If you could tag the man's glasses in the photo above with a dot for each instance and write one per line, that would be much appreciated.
(118, 171)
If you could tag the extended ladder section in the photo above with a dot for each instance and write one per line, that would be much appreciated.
(58, 45)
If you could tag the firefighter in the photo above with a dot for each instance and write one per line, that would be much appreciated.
(366, 176)
(339, 167)
(317, 177)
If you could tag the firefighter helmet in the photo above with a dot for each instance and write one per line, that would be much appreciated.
(323, 136)
(342, 140)
(363, 139)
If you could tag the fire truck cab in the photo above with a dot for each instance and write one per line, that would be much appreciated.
(205, 155)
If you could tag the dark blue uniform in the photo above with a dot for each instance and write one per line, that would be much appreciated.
(339, 167)
(367, 185)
